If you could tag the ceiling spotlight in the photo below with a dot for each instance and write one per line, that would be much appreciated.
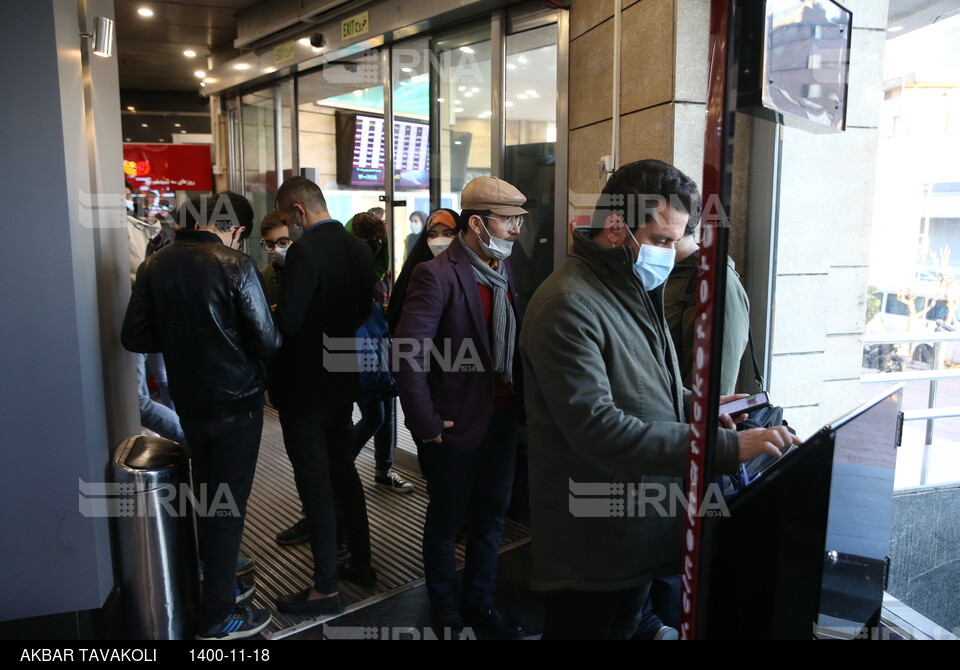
(210, 80)
(183, 131)
(462, 88)
(458, 142)
(458, 102)
(200, 73)
(126, 139)
(242, 66)
(522, 60)
(468, 94)
(523, 96)
(143, 11)
(176, 125)
(131, 109)
(189, 53)
(511, 66)
(458, 110)
(160, 140)
(406, 69)
(475, 89)
(144, 125)
(305, 41)
(203, 84)
(466, 50)
(508, 103)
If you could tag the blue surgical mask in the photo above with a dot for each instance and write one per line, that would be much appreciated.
(653, 264)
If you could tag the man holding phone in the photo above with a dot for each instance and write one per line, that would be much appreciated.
(606, 405)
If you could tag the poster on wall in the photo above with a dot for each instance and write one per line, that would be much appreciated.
(157, 171)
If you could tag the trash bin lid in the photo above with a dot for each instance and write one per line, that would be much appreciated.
(152, 453)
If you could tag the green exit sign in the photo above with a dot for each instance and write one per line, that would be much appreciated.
(355, 26)
(283, 53)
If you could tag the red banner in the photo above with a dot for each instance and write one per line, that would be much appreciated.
(168, 167)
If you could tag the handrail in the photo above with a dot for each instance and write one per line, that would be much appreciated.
(905, 337)
(916, 376)
(930, 413)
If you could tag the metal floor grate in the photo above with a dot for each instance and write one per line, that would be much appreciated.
(396, 527)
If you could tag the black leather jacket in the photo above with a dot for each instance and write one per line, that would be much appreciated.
(202, 305)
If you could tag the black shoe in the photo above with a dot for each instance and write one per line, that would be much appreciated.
(391, 481)
(365, 576)
(245, 588)
(491, 621)
(298, 603)
(295, 534)
(446, 622)
(343, 554)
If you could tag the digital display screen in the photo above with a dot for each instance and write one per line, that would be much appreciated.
(411, 153)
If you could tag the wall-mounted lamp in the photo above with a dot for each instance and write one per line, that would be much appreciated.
(103, 36)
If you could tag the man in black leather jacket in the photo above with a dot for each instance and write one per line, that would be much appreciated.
(201, 303)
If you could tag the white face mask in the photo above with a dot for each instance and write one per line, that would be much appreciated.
(280, 255)
(653, 264)
(497, 248)
(439, 244)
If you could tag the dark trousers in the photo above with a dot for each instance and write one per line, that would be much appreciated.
(662, 607)
(376, 421)
(223, 455)
(319, 444)
(469, 490)
(593, 615)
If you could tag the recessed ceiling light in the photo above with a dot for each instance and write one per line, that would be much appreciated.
(189, 53)
(522, 60)
(508, 103)
(143, 11)
(202, 84)
(468, 94)
(131, 109)
(176, 125)
(305, 41)
(462, 88)
(160, 140)
(242, 66)
(458, 142)
(475, 89)
(894, 29)
(126, 139)
(458, 109)
(144, 125)
(523, 96)
(530, 92)
(211, 80)
(406, 69)
(200, 73)
(183, 131)
(458, 102)
(466, 50)
(511, 66)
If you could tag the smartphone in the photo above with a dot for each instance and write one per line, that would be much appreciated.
(748, 404)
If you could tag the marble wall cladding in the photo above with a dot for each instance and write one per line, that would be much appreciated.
(846, 303)
(647, 134)
(647, 55)
(689, 123)
(842, 357)
(827, 191)
(800, 318)
(868, 13)
(739, 214)
(925, 553)
(865, 93)
(591, 77)
(587, 15)
(586, 147)
(693, 41)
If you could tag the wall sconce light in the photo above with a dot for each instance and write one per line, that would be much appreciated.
(103, 36)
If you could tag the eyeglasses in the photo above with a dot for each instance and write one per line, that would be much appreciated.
(283, 243)
(509, 222)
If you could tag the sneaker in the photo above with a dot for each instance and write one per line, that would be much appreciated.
(343, 554)
(667, 633)
(391, 481)
(295, 534)
(243, 622)
(245, 566)
(244, 589)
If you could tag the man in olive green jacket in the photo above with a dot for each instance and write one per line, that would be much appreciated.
(605, 411)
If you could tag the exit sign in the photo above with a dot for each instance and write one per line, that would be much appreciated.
(355, 26)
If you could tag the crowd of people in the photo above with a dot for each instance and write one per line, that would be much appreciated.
(590, 366)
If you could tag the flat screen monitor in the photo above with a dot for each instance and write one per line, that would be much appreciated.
(360, 151)
(794, 61)
(802, 551)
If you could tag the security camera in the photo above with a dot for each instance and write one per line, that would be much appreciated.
(316, 40)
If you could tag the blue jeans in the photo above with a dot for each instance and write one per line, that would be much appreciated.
(319, 445)
(223, 453)
(469, 490)
(158, 368)
(593, 615)
(376, 420)
(153, 416)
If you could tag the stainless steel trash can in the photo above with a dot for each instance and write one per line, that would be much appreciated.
(158, 538)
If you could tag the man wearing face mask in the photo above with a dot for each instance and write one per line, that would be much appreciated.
(326, 295)
(464, 412)
(275, 239)
(605, 404)
(200, 302)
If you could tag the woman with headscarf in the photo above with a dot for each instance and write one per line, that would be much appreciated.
(441, 227)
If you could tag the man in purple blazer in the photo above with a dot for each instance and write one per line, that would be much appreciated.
(457, 364)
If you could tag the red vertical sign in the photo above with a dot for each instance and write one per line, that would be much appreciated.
(704, 413)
